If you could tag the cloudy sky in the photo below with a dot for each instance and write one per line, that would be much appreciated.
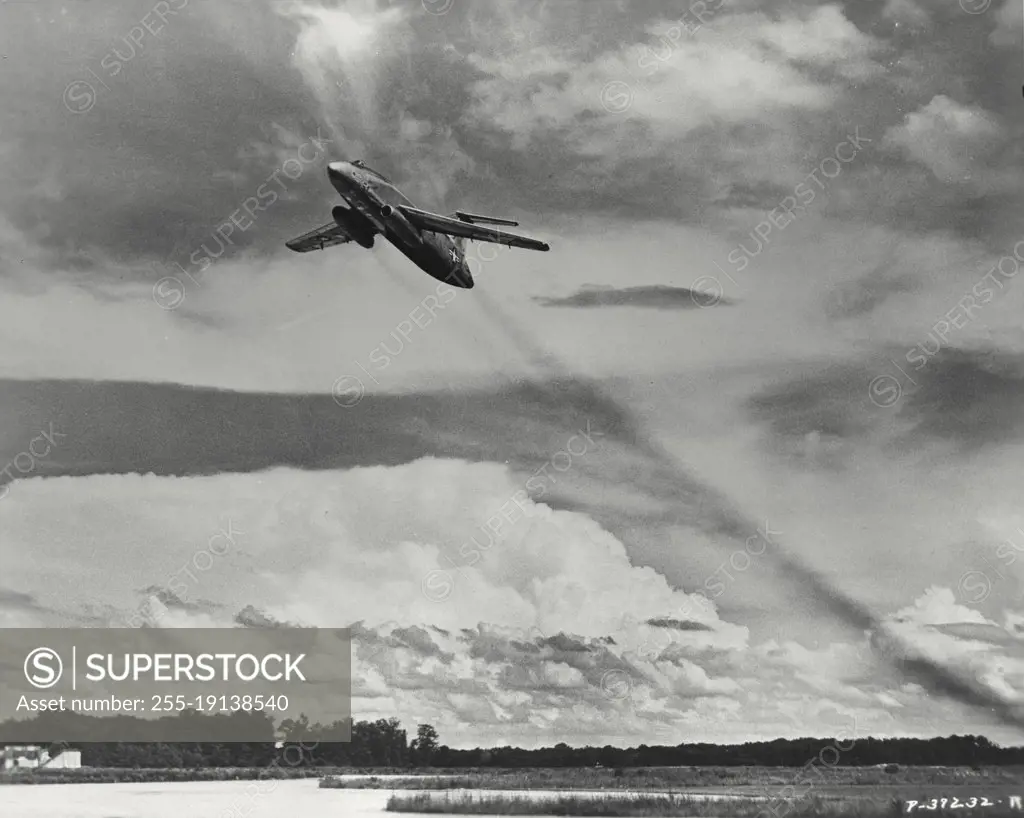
(739, 458)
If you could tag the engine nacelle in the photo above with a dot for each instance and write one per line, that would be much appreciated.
(387, 211)
(355, 224)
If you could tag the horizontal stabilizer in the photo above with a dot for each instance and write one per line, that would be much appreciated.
(472, 218)
(327, 236)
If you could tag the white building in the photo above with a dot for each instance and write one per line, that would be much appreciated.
(64, 760)
(32, 756)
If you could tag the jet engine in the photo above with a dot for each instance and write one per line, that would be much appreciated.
(355, 224)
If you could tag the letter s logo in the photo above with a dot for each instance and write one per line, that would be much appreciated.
(43, 668)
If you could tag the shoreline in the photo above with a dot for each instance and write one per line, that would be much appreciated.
(724, 781)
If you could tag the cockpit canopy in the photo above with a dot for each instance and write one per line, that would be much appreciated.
(359, 163)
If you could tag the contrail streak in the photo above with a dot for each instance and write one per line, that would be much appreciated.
(730, 522)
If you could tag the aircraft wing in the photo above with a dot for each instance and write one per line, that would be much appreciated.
(437, 223)
(326, 236)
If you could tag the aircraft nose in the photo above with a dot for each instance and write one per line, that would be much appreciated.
(341, 176)
(338, 170)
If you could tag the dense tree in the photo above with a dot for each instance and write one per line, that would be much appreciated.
(424, 746)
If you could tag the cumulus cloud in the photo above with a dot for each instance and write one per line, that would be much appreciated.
(516, 683)
(726, 102)
(309, 531)
(711, 75)
(950, 139)
(824, 38)
(553, 628)
(940, 630)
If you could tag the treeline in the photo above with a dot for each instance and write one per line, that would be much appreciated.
(950, 751)
(382, 743)
(385, 744)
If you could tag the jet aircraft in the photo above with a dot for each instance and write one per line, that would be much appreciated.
(434, 243)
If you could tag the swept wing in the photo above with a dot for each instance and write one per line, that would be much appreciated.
(463, 216)
(437, 223)
(327, 236)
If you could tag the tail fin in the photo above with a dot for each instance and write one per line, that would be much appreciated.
(474, 219)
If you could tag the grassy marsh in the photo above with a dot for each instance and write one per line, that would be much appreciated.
(684, 806)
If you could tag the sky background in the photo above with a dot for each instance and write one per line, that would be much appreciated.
(780, 474)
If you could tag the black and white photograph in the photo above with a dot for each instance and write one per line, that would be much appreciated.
(511, 407)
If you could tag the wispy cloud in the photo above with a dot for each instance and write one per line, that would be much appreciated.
(658, 297)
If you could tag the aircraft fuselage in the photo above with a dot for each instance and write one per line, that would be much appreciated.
(377, 201)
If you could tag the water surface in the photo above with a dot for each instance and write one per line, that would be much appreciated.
(224, 799)
(190, 799)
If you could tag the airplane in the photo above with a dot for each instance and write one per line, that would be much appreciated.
(434, 243)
